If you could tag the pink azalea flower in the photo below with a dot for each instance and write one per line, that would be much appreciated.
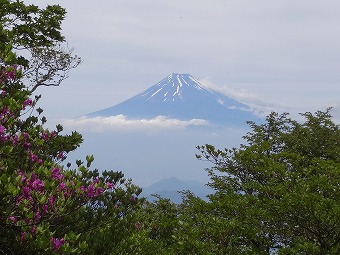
(34, 158)
(37, 216)
(25, 135)
(51, 200)
(55, 174)
(62, 186)
(11, 74)
(44, 208)
(57, 243)
(44, 136)
(33, 230)
(23, 176)
(133, 199)
(109, 185)
(13, 219)
(90, 191)
(15, 140)
(2, 129)
(27, 145)
(61, 156)
(99, 191)
(22, 236)
(27, 102)
(38, 185)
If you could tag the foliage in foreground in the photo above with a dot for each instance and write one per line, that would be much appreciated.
(45, 206)
(277, 194)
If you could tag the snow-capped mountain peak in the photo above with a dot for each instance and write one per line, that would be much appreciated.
(171, 88)
(181, 96)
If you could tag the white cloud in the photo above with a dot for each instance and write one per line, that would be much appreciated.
(266, 103)
(237, 94)
(260, 106)
(121, 123)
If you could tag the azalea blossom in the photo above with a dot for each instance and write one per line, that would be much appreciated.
(57, 243)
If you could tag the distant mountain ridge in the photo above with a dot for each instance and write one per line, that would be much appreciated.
(181, 96)
(169, 188)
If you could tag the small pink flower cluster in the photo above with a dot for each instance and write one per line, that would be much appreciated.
(9, 73)
(57, 243)
(3, 93)
(40, 193)
(56, 174)
(2, 130)
(61, 156)
(34, 158)
(5, 114)
(31, 185)
(94, 189)
(27, 102)
(33, 188)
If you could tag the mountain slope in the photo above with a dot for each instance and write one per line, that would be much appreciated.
(183, 97)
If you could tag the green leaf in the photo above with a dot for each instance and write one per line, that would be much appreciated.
(4, 178)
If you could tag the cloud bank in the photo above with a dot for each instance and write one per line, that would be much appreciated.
(121, 123)
(258, 105)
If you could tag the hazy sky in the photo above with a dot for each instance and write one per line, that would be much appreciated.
(282, 55)
(279, 55)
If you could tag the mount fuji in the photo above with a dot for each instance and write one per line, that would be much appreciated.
(183, 97)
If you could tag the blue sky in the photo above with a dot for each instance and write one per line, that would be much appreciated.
(279, 55)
